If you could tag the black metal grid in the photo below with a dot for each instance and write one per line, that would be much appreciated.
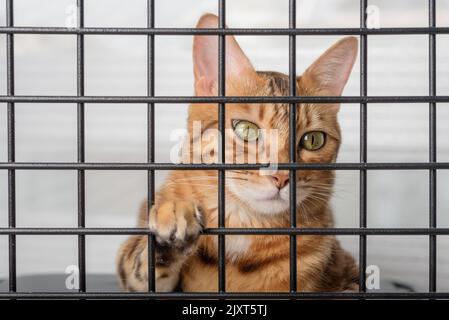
(150, 166)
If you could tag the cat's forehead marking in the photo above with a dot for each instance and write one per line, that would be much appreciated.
(276, 84)
(261, 113)
(276, 115)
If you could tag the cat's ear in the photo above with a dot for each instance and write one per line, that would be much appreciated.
(205, 59)
(330, 72)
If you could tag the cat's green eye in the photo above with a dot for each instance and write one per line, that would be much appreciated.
(313, 140)
(245, 130)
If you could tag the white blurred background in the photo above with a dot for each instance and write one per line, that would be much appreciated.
(116, 65)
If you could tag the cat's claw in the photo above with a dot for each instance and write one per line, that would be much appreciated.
(176, 223)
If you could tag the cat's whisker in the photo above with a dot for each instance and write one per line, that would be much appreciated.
(211, 186)
(203, 178)
(324, 191)
(197, 184)
(305, 212)
(324, 185)
(336, 192)
(238, 171)
(194, 178)
(322, 195)
(237, 178)
(312, 205)
(317, 198)
(316, 190)
(314, 201)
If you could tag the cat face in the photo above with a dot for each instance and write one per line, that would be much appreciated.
(259, 133)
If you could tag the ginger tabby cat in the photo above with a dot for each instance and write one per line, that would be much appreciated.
(187, 202)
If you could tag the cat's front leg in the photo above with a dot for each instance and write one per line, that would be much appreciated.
(176, 226)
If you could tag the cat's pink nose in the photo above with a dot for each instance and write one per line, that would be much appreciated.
(280, 180)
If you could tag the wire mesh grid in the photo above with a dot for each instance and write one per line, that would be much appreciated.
(151, 166)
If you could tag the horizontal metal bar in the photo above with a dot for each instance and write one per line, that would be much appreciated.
(228, 99)
(227, 31)
(227, 295)
(231, 231)
(218, 166)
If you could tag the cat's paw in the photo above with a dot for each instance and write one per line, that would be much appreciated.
(176, 224)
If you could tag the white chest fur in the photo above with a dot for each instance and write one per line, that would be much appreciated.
(236, 245)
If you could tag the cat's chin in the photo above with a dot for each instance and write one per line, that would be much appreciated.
(267, 202)
(269, 206)
(263, 202)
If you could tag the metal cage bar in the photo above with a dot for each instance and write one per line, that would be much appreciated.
(226, 295)
(227, 31)
(363, 146)
(231, 231)
(11, 146)
(222, 146)
(81, 148)
(150, 144)
(432, 152)
(228, 99)
(219, 166)
(292, 146)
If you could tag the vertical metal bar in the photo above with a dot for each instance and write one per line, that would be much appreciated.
(363, 145)
(81, 149)
(222, 158)
(150, 141)
(432, 151)
(11, 146)
(292, 145)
